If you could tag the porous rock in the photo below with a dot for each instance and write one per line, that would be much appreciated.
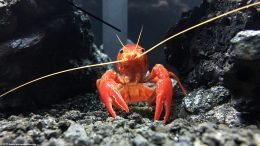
(41, 37)
(205, 56)
(201, 101)
(243, 79)
(104, 130)
(201, 55)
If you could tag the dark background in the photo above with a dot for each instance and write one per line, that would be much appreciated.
(157, 16)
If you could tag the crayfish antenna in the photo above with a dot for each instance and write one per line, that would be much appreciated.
(139, 36)
(57, 73)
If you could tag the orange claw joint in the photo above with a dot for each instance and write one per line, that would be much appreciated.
(179, 82)
(108, 86)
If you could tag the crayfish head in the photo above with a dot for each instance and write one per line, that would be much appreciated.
(134, 65)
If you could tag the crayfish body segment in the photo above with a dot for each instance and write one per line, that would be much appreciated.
(118, 90)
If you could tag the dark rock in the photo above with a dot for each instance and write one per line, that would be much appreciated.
(228, 137)
(139, 140)
(55, 142)
(8, 21)
(103, 129)
(245, 45)
(7, 126)
(201, 54)
(42, 37)
(158, 138)
(155, 124)
(136, 117)
(178, 124)
(89, 119)
(206, 127)
(76, 133)
(7, 139)
(184, 141)
(35, 117)
(119, 122)
(52, 133)
(20, 140)
(243, 79)
(84, 142)
(97, 139)
(64, 125)
(212, 139)
(223, 114)
(115, 140)
(201, 101)
(132, 124)
(161, 128)
(37, 136)
(13, 118)
(205, 56)
(72, 115)
(48, 123)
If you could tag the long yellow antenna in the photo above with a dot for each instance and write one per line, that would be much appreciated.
(112, 62)
(202, 23)
(139, 37)
(56, 73)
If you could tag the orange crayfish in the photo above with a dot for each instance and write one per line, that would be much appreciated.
(117, 90)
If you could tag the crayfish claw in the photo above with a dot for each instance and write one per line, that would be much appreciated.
(163, 90)
(110, 109)
(109, 95)
(158, 108)
(118, 101)
(167, 107)
(163, 98)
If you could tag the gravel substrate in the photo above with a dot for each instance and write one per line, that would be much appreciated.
(74, 123)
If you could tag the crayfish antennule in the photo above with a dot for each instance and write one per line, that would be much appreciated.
(139, 37)
(120, 41)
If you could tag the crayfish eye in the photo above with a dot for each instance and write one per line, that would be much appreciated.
(121, 51)
(143, 50)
